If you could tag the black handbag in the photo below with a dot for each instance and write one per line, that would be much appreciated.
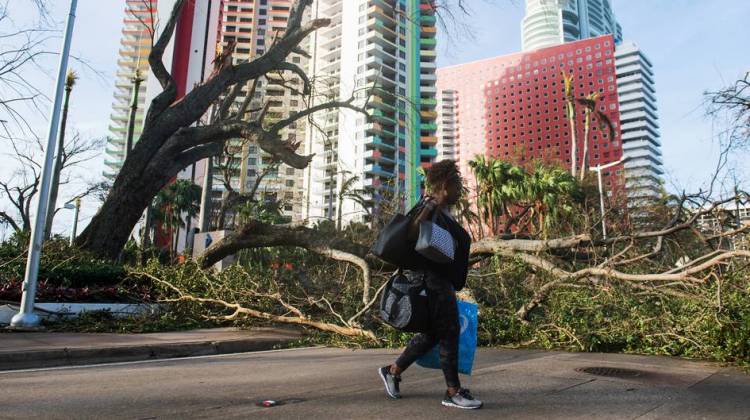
(404, 303)
(392, 244)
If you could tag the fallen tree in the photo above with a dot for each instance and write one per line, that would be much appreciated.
(170, 140)
(257, 234)
(641, 260)
(293, 314)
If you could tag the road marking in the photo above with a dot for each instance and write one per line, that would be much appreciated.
(134, 362)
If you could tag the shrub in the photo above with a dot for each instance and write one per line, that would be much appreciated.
(67, 274)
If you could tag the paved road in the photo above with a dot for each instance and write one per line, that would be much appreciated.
(341, 384)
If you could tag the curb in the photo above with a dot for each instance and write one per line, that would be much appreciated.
(98, 355)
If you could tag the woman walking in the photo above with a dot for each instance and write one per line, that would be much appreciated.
(444, 187)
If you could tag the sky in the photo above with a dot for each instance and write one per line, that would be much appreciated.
(695, 45)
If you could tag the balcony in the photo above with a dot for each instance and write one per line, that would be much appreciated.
(428, 43)
(429, 115)
(377, 142)
(428, 65)
(387, 53)
(430, 90)
(378, 25)
(427, 20)
(428, 78)
(428, 56)
(377, 170)
(428, 127)
(379, 130)
(383, 14)
(325, 165)
(115, 164)
(432, 152)
(429, 31)
(381, 117)
(389, 45)
(379, 103)
(379, 157)
(389, 73)
(377, 77)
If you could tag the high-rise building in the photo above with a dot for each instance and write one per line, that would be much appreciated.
(640, 129)
(447, 122)
(553, 22)
(549, 23)
(513, 107)
(252, 26)
(135, 46)
(383, 52)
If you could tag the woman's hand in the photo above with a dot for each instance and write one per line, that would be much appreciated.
(428, 206)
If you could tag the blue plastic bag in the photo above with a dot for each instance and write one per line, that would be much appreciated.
(467, 341)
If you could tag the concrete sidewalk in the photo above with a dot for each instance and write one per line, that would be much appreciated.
(26, 350)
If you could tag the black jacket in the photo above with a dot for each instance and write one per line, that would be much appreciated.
(455, 271)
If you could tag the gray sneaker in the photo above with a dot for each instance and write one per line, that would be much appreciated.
(462, 399)
(390, 382)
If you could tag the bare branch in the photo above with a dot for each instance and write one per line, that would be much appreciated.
(155, 60)
(238, 309)
(299, 72)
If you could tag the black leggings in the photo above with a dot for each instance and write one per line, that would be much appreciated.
(445, 330)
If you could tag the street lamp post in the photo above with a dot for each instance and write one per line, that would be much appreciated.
(77, 208)
(601, 199)
(599, 168)
(26, 318)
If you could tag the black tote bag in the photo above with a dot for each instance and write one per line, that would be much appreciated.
(393, 245)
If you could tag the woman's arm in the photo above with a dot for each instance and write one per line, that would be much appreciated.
(429, 206)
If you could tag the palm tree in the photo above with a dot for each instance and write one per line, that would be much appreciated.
(485, 186)
(465, 214)
(571, 113)
(498, 188)
(550, 192)
(174, 204)
(266, 211)
(347, 191)
(589, 104)
(70, 81)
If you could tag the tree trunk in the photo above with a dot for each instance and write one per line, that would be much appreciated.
(257, 234)
(110, 228)
(573, 145)
(586, 130)
(340, 213)
(55, 184)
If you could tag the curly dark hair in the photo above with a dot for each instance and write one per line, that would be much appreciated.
(443, 172)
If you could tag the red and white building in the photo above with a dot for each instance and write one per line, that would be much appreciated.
(513, 107)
